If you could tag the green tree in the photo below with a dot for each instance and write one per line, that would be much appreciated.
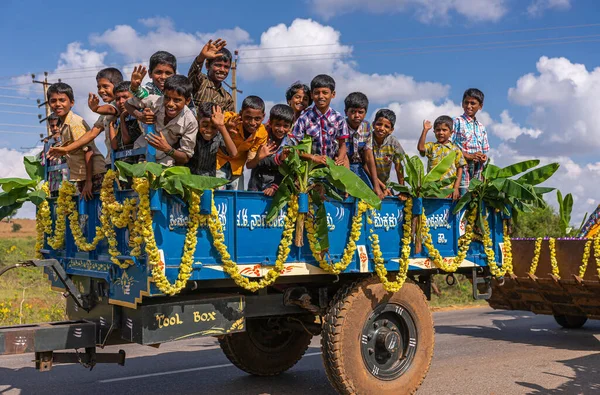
(541, 222)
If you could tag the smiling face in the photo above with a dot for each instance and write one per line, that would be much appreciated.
(442, 133)
(251, 119)
(280, 128)
(206, 128)
(218, 70)
(121, 98)
(174, 103)
(105, 90)
(60, 104)
(299, 101)
(471, 105)
(322, 98)
(355, 117)
(160, 74)
(381, 128)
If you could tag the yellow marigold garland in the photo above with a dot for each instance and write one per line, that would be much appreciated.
(395, 286)
(536, 255)
(348, 254)
(586, 257)
(507, 260)
(231, 268)
(43, 222)
(553, 260)
(488, 247)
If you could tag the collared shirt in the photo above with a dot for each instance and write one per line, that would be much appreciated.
(72, 129)
(390, 151)
(359, 140)
(435, 152)
(471, 137)
(205, 89)
(54, 177)
(325, 130)
(204, 161)
(180, 132)
(103, 123)
(246, 147)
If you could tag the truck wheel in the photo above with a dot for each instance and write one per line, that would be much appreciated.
(571, 321)
(267, 348)
(376, 342)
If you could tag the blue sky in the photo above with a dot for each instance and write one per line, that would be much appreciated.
(533, 59)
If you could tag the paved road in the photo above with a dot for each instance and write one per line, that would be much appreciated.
(478, 351)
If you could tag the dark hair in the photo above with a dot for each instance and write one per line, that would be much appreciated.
(295, 87)
(60, 87)
(225, 56)
(122, 86)
(444, 120)
(475, 94)
(162, 57)
(356, 100)
(111, 74)
(387, 114)
(282, 112)
(180, 84)
(322, 81)
(204, 110)
(53, 117)
(253, 102)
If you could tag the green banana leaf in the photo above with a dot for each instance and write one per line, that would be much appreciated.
(399, 188)
(462, 202)
(517, 168)
(440, 169)
(281, 197)
(321, 228)
(345, 179)
(412, 178)
(8, 198)
(37, 197)
(5, 211)
(542, 190)
(8, 184)
(419, 169)
(139, 169)
(491, 171)
(34, 168)
(200, 183)
(539, 175)
(518, 191)
(331, 192)
(172, 185)
(175, 171)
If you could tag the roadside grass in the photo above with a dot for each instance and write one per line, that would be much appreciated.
(25, 294)
(457, 295)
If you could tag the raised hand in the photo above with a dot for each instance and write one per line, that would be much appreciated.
(217, 117)
(427, 124)
(137, 76)
(320, 159)
(267, 150)
(211, 49)
(93, 102)
(233, 124)
(56, 152)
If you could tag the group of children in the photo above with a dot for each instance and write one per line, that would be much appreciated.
(195, 126)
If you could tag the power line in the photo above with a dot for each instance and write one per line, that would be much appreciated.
(22, 126)
(18, 105)
(14, 132)
(16, 97)
(397, 39)
(19, 112)
(8, 88)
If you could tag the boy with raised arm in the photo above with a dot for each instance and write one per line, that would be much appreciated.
(176, 125)
(435, 152)
(471, 137)
(209, 87)
(213, 137)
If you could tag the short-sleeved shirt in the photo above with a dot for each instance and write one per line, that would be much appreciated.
(180, 132)
(359, 140)
(435, 152)
(205, 90)
(389, 152)
(471, 137)
(103, 123)
(204, 161)
(72, 129)
(325, 130)
(266, 173)
(246, 147)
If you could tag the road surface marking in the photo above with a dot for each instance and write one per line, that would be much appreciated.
(141, 376)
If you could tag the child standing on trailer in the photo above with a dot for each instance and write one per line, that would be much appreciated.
(86, 164)
(209, 87)
(161, 66)
(386, 149)
(360, 143)
(326, 126)
(54, 177)
(471, 137)
(265, 170)
(212, 137)
(248, 134)
(125, 130)
(176, 125)
(443, 147)
(298, 98)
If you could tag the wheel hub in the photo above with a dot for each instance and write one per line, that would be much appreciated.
(388, 341)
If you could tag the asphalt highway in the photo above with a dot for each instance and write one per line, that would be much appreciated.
(478, 351)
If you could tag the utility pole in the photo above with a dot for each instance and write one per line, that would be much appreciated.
(45, 103)
(233, 86)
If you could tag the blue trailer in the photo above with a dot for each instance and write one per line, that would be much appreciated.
(372, 340)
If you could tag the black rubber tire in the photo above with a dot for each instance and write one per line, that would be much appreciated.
(341, 334)
(571, 321)
(250, 353)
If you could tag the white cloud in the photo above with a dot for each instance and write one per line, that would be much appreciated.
(135, 46)
(507, 129)
(563, 102)
(304, 49)
(11, 165)
(537, 7)
(426, 11)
